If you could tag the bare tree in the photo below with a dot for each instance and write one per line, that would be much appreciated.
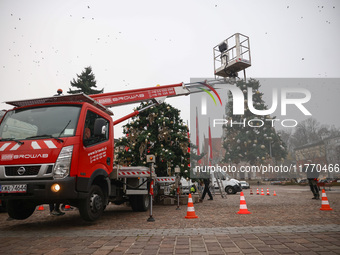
(309, 131)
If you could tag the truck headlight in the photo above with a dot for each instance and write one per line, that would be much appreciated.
(63, 163)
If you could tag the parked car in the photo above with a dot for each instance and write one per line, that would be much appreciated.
(231, 186)
(276, 183)
(323, 181)
(245, 185)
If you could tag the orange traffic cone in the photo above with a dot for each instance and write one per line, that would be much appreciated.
(67, 208)
(324, 202)
(268, 192)
(243, 205)
(191, 210)
(274, 193)
(41, 208)
(257, 191)
(262, 194)
(251, 192)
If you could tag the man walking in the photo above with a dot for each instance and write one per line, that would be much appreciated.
(206, 189)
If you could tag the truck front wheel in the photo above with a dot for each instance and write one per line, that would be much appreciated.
(20, 209)
(139, 203)
(229, 190)
(92, 207)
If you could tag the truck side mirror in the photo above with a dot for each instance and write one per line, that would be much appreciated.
(100, 127)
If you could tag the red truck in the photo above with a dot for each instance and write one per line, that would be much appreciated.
(61, 149)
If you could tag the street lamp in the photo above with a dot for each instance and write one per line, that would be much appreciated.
(177, 171)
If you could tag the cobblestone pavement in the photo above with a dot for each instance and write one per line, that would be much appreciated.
(289, 223)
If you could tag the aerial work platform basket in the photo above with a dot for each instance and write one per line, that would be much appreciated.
(231, 56)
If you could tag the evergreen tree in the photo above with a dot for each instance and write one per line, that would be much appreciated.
(85, 83)
(257, 142)
(159, 131)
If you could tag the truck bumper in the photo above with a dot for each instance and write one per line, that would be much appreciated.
(40, 190)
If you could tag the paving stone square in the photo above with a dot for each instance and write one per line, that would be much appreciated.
(290, 223)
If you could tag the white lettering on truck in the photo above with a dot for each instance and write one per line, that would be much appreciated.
(29, 156)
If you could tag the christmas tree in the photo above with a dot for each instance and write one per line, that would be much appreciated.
(252, 138)
(159, 131)
(85, 83)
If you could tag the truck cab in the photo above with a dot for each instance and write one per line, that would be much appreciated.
(57, 149)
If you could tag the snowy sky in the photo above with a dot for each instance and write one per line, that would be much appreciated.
(132, 44)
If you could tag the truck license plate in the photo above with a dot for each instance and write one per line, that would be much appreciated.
(13, 188)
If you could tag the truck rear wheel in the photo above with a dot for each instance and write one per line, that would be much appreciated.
(92, 207)
(229, 190)
(139, 203)
(20, 209)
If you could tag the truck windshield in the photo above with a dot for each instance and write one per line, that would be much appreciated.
(40, 122)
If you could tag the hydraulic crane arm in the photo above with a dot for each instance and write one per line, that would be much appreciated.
(152, 93)
(138, 95)
(134, 113)
(156, 94)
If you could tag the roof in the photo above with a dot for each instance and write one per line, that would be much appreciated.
(332, 137)
(308, 145)
(61, 99)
